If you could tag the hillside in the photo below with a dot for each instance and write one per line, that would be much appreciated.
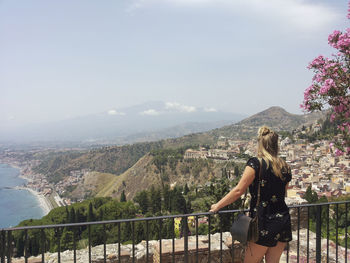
(118, 159)
(114, 160)
(146, 173)
(92, 183)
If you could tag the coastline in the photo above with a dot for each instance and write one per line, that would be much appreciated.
(43, 201)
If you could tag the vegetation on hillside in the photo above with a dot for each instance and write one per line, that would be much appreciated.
(327, 131)
(111, 159)
(167, 166)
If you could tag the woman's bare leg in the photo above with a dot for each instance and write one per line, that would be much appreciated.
(254, 253)
(273, 254)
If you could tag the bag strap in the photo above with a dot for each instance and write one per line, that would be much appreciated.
(246, 191)
(260, 168)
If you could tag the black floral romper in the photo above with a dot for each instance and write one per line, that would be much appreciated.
(274, 218)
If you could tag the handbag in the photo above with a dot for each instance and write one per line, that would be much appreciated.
(245, 228)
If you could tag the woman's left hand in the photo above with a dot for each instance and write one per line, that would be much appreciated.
(214, 208)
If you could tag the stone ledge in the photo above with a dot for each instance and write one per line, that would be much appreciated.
(82, 255)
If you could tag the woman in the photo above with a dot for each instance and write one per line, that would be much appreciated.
(273, 217)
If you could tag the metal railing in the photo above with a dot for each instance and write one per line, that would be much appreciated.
(323, 218)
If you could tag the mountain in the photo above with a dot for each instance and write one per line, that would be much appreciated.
(276, 118)
(144, 122)
(173, 132)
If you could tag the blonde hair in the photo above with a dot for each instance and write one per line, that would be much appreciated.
(268, 149)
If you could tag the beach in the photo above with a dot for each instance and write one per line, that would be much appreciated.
(17, 202)
(43, 201)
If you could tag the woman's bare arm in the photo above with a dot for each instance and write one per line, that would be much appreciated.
(286, 190)
(247, 178)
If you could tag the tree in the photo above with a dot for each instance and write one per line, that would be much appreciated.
(331, 87)
(178, 201)
(236, 171)
(156, 200)
(186, 189)
(67, 240)
(67, 214)
(72, 216)
(122, 197)
(167, 198)
(310, 196)
(142, 199)
(90, 216)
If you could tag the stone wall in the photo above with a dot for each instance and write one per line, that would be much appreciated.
(294, 217)
(154, 252)
(203, 250)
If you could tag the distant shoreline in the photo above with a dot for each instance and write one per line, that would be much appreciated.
(43, 201)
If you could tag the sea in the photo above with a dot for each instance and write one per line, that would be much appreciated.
(16, 205)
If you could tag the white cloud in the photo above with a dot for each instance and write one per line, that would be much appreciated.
(210, 110)
(300, 14)
(114, 112)
(150, 112)
(179, 107)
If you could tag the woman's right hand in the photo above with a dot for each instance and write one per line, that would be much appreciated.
(214, 208)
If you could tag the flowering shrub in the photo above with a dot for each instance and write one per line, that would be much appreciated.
(330, 86)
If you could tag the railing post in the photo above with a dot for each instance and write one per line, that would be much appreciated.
(133, 242)
(298, 240)
(25, 249)
(42, 247)
(119, 240)
(9, 247)
(346, 233)
(147, 248)
(221, 227)
(89, 237)
(336, 232)
(104, 244)
(185, 229)
(196, 239)
(318, 234)
(328, 233)
(74, 245)
(3, 246)
(173, 240)
(209, 239)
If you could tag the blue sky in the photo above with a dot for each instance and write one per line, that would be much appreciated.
(61, 59)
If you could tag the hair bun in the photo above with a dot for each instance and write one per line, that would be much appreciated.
(264, 130)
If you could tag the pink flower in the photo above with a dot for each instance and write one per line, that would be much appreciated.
(324, 90)
(334, 36)
(338, 152)
(317, 62)
(328, 84)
